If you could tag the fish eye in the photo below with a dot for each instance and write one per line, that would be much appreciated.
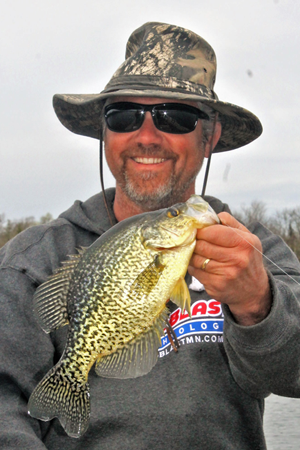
(172, 212)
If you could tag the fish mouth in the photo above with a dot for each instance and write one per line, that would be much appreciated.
(201, 211)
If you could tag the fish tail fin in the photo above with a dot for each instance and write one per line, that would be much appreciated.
(57, 396)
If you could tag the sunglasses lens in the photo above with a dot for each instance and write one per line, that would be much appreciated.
(121, 119)
(175, 121)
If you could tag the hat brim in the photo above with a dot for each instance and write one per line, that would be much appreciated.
(81, 114)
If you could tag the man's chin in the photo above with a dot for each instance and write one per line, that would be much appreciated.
(156, 192)
(150, 199)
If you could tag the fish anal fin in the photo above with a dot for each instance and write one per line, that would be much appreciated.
(181, 295)
(50, 298)
(137, 357)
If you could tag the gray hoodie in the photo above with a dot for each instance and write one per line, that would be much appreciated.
(208, 395)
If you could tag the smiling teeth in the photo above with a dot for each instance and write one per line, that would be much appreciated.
(149, 160)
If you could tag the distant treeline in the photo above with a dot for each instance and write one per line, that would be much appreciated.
(10, 228)
(285, 223)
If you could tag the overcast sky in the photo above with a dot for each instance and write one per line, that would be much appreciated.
(72, 46)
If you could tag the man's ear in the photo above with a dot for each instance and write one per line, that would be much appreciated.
(214, 139)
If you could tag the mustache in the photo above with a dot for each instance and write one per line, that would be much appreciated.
(153, 151)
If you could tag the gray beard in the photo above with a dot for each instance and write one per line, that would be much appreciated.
(165, 196)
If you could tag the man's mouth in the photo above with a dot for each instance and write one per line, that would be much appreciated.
(143, 160)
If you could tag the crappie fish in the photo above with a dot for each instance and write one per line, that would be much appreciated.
(113, 295)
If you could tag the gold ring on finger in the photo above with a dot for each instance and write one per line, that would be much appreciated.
(203, 267)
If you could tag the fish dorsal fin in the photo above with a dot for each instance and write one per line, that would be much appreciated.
(137, 357)
(181, 295)
(50, 298)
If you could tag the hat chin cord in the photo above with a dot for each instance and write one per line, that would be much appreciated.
(206, 173)
(101, 178)
(209, 158)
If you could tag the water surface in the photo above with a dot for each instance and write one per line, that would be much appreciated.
(282, 423)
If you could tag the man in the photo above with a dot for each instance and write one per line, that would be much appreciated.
(159, 118)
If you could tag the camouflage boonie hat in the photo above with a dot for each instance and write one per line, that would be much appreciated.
(163, 61)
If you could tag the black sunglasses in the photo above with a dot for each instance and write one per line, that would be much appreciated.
(175, 118)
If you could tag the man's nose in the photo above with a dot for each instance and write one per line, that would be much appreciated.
(148, 133)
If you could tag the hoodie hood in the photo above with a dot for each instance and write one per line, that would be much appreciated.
(91, 215)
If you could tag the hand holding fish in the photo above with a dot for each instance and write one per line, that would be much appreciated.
(235, 274)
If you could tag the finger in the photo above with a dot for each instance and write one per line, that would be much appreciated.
(224, 236)
(209, 277)
(204, 264)
(234, 252)
(228, 221)
(205, 249)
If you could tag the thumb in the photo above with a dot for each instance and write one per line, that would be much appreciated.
(230, 221)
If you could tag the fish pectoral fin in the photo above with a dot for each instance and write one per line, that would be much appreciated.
(137, 357)
(181, 295)
(148, 278)
(50, 298)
